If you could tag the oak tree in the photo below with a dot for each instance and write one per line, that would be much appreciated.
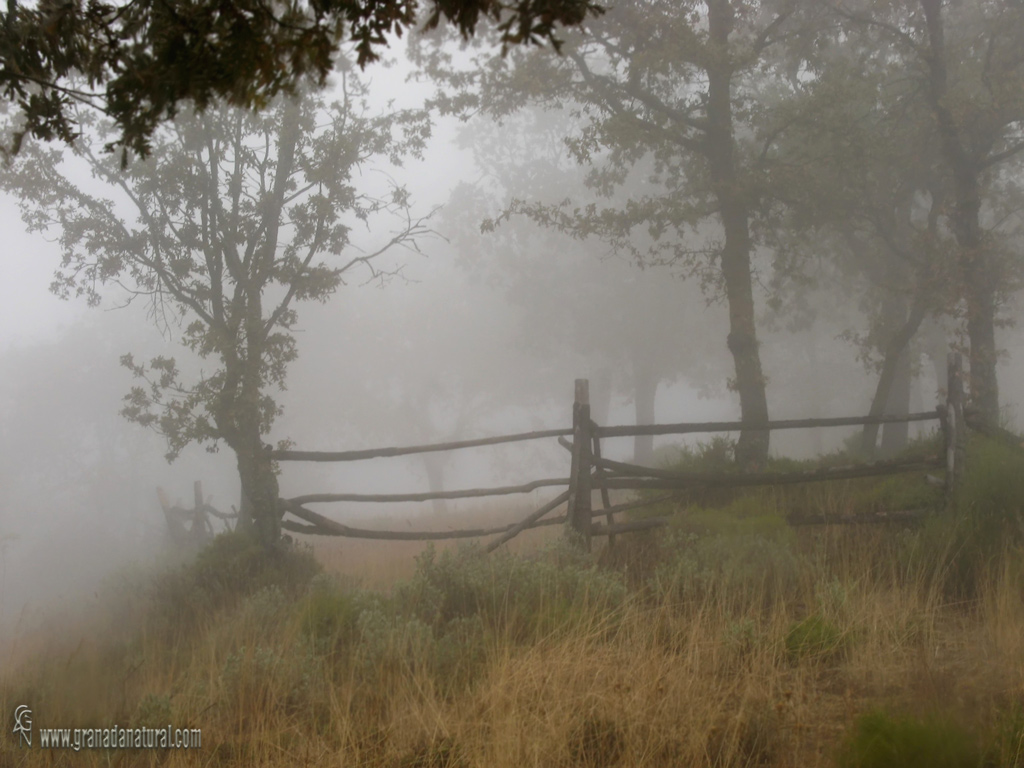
(966, 62)
(854, 178)
(238, 218)
(669, 90)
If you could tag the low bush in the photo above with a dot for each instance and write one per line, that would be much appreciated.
(265, 679)
(954, 552)
(329, 613)
(512, 597)
(1007, 749)
(816, 638)
(710, 553)
(880, 740)
(231, 568)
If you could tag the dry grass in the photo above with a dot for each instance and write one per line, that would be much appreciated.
(697, 677)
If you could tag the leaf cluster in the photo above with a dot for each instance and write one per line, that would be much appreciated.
(142, 60)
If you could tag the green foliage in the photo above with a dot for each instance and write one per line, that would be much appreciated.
(901, 492)
(833, 498)
(519, 598)
(741, 636)
(390, 640)
(268, 608)
(716, 455)
(1007, 750)
(713, 552)
(744, 517)
(329, 614)
(141, 62)
(879, 740)
(815, 637)
(957, 548)
(991, 493)
(445, 617)
(232, 567)
(376, 635)
(262, 678)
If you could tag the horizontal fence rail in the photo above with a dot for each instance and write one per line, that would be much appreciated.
(320, 525)
(325, 526)
(878, 518)
(747, 481)
(710, 480)
(688, 428)
(379, 453)
(469, 493)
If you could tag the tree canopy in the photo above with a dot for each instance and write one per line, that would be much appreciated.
(670, 91)
(142, 60)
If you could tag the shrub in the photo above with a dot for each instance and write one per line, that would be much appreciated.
(815, 638)
(712, 552)
(329, 613)
(956, 550)
(389, 642)
(262, 679)
(1008, 745)
(990, 499)
(879, 740)
(717, 454)
(232, 567)
(266, 608)
(459, 654)
(518, 598)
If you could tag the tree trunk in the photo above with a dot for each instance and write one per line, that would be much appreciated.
(260, 491)
(981, 330)
(645, 390)
(240, 420)
(752, 448)
(895, 436)
(894, 351)
(936, 346)
(241, 413)
(434, 463)
(977, 270)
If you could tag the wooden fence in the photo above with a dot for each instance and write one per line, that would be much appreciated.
(191, 527)
(590, 472)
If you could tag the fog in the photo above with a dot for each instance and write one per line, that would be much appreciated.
(477, 329)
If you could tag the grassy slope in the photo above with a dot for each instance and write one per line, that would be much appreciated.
(728, 640)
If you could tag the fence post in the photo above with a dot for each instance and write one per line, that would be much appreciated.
(578, 517)
(955, 427)
(201, 528)
(606, 499)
